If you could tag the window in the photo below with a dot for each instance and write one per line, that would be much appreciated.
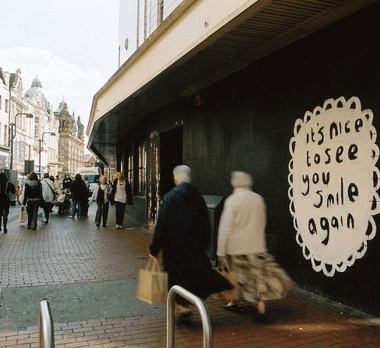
(130, 165)
(6, 105)
(36, 127)
(1, 101)
(142, 169)
(5, 134)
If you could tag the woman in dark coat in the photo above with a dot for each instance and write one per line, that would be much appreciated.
(5, 202)
(121, 195)
(32, 199)
(79, 194)
(183, 233)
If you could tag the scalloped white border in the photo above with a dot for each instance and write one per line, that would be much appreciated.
(318, 265)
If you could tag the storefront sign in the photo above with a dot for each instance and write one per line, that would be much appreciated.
(333, 184)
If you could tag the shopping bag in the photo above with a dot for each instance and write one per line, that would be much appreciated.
(152, 286)
(231, 276)
(22, 215)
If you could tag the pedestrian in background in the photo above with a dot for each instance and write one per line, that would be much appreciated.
(32, 199)
(6, 189)
(58, 185)
(47, 195)
(242, 248)
(101, 193)
(66, 183)
(85, 203)
(78, 191)
(121, 195)
(183, 233)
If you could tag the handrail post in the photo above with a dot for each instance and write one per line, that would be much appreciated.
(195, 300)
(45, 326)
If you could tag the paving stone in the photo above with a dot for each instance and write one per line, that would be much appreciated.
(88, 263)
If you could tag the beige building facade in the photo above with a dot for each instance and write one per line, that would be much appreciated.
(31, 133)
(71, 141)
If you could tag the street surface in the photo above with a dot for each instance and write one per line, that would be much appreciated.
(88, 275)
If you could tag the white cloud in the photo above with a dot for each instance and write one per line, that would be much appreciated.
(60, 80)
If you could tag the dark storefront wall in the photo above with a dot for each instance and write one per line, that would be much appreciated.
(246, 121)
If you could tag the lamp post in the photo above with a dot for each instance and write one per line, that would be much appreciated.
(14, 131)
(40, 147)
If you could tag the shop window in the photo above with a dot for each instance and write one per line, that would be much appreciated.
(130, 166)
(142, 169)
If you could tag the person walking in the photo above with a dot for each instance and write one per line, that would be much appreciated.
(32, 199)
(101, 193)
(183, 233)
(85, 201)
(6, 189)
(78, 191)
(47, 195)
(121, 195)
(242, 248)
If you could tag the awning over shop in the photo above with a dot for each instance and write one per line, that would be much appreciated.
(199, 44)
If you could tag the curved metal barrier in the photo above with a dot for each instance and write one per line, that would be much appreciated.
(45, 326)
(195, 300)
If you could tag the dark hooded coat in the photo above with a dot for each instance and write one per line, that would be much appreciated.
(183, 234)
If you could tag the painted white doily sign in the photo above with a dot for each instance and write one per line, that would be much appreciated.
(333, 183)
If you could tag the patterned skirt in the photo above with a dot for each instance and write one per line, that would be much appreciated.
(259, 277)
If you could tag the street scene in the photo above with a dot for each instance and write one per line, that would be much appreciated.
(88, 275)
(189, 173)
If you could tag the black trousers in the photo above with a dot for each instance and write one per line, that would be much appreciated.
(4, 211)
(46, 206)
(32, 210)
(120, 209)
(102, 212)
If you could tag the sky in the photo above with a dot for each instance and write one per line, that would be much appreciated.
(70, 45)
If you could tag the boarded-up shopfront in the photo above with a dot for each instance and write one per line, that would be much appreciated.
(303, 121)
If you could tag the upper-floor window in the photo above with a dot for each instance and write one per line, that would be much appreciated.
(6, 105)
(1, 101)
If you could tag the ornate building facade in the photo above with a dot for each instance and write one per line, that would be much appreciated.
(32, 136)
(71, 140)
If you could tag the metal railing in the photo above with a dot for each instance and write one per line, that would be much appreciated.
(206, 322)
(45, 326)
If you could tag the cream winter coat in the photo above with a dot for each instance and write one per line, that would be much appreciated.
(48, 188)
(242, 224)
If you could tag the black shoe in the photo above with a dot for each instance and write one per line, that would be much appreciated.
(263, 318)
(97, 225)
(184, 318)
(232, 308)
(29, 227)
(104, 225)
(46, 221)
(34, 228)
(5, 230)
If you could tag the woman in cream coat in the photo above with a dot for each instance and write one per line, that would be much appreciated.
(242, 248)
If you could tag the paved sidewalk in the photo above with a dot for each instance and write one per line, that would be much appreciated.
(88, 275)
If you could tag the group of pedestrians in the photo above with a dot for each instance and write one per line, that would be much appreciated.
(183, 235)
(118, 193)
(37, 193)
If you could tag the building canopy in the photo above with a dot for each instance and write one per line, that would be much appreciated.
(185, 55)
